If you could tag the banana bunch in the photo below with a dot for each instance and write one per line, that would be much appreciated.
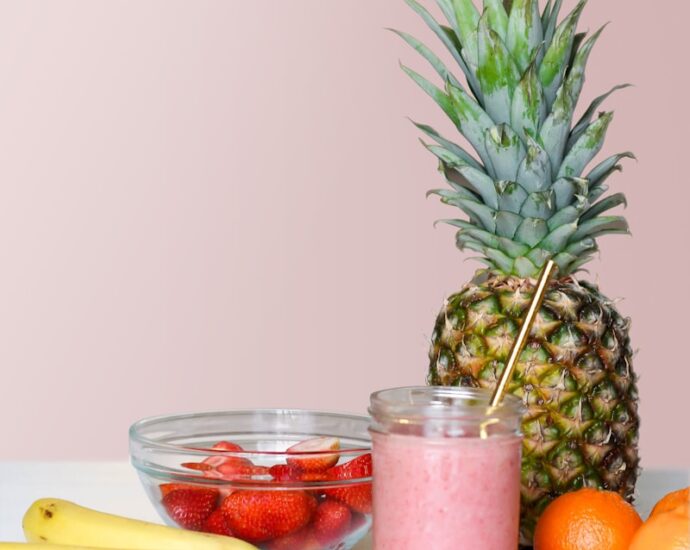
(55, 524)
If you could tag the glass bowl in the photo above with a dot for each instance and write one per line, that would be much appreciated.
(231, 473)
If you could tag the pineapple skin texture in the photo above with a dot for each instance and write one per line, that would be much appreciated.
(574, 378)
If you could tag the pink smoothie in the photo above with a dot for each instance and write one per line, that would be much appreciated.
(446, 493)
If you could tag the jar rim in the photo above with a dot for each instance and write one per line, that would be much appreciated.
(422, 403)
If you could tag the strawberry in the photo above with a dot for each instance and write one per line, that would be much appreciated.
(166, 488)
(290, 472)
(358, 496)
(304, 539)
(198, 466)
(216, 524)
(225, 446)
(331, 521)
(258, 516)
(285, 472)
(190, 508)
(314, 454)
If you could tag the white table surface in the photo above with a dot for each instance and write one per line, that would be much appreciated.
(114, 487)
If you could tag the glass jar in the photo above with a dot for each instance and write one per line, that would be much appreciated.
(446, 469)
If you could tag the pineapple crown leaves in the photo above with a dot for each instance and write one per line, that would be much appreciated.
(526, 194)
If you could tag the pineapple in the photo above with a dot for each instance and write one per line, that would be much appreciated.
(527, 197)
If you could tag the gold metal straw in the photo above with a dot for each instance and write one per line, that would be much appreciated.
(522, 336)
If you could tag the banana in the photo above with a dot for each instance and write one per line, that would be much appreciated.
(56, 521)
(32, 546)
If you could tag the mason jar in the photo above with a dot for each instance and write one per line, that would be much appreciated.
(446, 469)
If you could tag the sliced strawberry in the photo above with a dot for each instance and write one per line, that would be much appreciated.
(226, 446)
(216, 524)
(331, 521)
(198, 466)
(259, 516)
(321, 460)
(304, 539)
(190, 508)
(357, 496)
(285, 472)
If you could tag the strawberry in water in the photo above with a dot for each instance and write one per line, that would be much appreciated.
(304, 539)
(216, 524)
(259, 516)
(331, 521)
(190, 508)
(285, 472)
(321, 460)
(226, 446)
(356, 496)
(166, 488)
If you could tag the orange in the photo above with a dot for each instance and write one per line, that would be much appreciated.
(671, 501)
(587, 519)
(665, 530)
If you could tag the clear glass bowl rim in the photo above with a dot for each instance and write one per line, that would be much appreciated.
(136, 436)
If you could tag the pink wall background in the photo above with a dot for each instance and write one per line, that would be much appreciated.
(220, 204)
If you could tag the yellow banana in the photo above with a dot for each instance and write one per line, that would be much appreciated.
(37, 546)
(58, 521)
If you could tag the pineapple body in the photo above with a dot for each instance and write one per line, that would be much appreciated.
(575, 378)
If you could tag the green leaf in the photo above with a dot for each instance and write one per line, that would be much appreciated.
(531, 231)
(481, 212)
(566, 189)
(603, 205)
(528, 109)
(511, 248)
(558, 239)
(539, 256)
(511, 196)
(596, 192)
(430, 56)
(463, 241)
(582, 124)
(564, 216)
(458, 182)
(586, 148)
(507, 224)
(546, 14)
(584, 246)
(505, 151)
(525, 32)
(525, 268)
(604, 169)
(442, 99)
(602, 225)
(469, 71)
(539, 205)
(497, 17)
(563, 260)
(449, 13)
(449, 145)
(481, 184)
(498, 76)
(552, 70)
(556, 130)
(467, 17)
(451, 197)
(504, 262)
(534, 172)
(576, 76)
(473, 122)
(447, 39)
(550, 20)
